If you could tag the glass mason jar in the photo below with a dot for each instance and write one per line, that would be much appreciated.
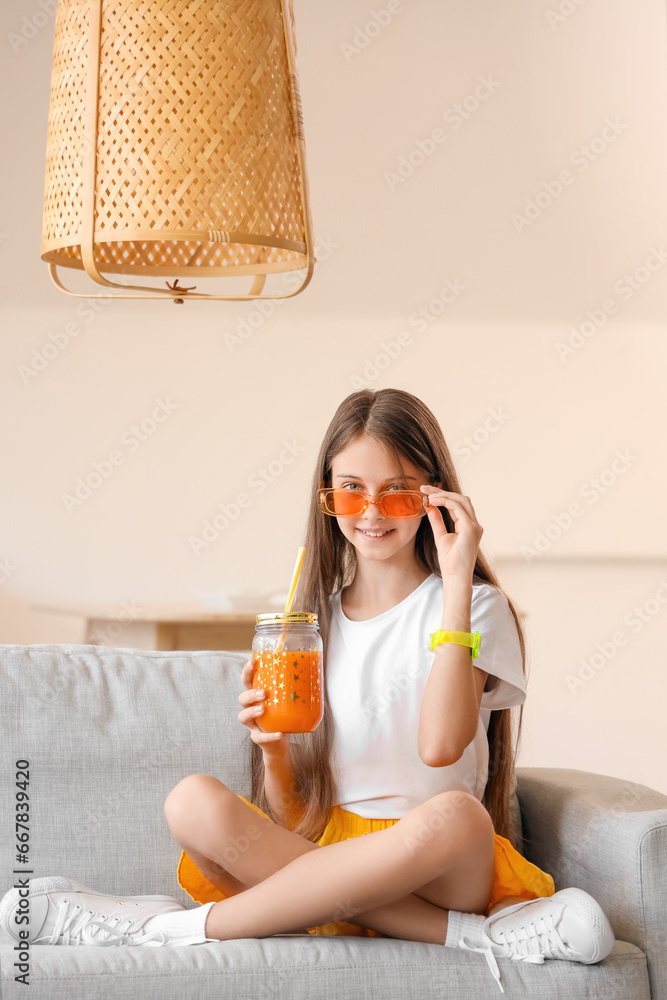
(287, 664)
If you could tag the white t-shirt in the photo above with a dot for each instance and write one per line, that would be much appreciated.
(376, 673)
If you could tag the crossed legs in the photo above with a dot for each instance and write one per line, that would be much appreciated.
(400, 881)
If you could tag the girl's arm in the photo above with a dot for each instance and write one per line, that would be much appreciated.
(282, 794)
(450, 706)
(449, 711)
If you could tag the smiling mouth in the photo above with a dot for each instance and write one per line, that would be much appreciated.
(375, 534)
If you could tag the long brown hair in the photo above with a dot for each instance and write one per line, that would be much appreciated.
(408, 429)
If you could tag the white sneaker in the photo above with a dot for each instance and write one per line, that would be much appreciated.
(570, 925)
(63, 911)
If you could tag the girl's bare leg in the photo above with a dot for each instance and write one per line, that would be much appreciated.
(399, 881)
(508, 901)
(412, 911)
(411, 917)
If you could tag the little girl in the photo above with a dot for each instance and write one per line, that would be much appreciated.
(396, 810)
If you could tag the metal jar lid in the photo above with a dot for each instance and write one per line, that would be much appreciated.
(287, 618)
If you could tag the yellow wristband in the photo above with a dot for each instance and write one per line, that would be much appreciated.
(472, 639)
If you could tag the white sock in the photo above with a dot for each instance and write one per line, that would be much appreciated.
(468, 925)
(182, 927)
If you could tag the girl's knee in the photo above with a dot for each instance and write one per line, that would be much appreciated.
(451, 825)
(458, 809)
(184, 802)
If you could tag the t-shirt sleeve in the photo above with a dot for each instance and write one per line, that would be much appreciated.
(500, 652)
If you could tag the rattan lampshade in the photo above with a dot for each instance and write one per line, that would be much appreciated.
(175, 146)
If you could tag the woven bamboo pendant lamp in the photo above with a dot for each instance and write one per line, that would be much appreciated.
(175, 147)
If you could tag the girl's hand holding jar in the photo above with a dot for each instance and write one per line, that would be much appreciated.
(272, 744)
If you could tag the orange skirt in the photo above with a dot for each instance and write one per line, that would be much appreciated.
(513, 875)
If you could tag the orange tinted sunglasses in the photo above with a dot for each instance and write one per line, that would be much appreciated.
(353, 503)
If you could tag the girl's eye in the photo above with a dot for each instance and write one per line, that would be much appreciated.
(388, 488)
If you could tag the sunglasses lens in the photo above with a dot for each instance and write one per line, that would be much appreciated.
(344, 503)
(402, 504)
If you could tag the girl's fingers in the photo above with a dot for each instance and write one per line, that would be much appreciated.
(265, 739)
(251, 696)
(453, 501)
(249, 719)
(248, 716)
(252, 699)
(246, 674)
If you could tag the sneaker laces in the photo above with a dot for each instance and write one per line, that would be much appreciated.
(490, 956)
(70, 930)
(534, 939)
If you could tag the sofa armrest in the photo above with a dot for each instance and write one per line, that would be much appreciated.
(607, 836)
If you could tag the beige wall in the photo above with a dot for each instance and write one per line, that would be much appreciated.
(386, 250)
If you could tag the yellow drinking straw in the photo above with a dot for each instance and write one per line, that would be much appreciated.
(292, 589)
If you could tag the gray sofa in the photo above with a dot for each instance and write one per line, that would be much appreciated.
(108, 732)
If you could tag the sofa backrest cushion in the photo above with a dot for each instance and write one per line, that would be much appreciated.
(107, 734)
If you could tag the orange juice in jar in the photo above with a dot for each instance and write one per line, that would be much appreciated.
(287, 664)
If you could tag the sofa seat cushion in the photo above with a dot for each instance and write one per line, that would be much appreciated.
(303, 967)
